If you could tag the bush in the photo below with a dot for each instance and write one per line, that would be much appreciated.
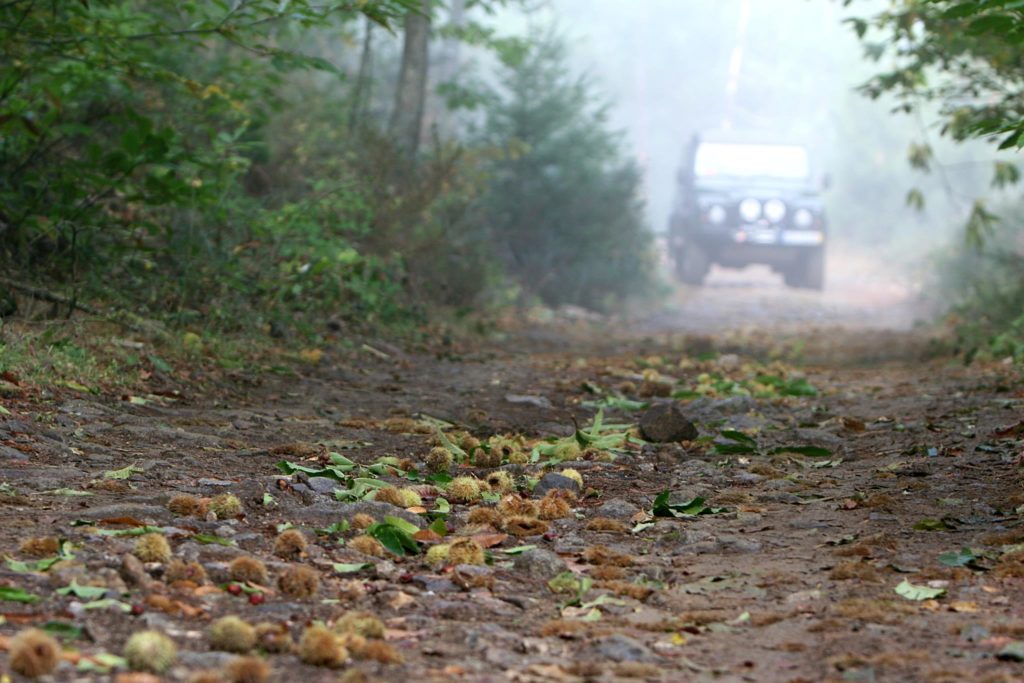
(984, 292)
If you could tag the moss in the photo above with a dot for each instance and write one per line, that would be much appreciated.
(150, 651)
(367, 545)
(464, 490)
(299, 581)
(226, 506)
(361, 623)
(179, 570)
(320, 647)
(232, 634)
(247, 569)
(290, 544)
(152, 548)
(33, 653)
(273, 638)
(465, 551)
(184, 505)
(247, 670)
(42, 546)
(438, 460)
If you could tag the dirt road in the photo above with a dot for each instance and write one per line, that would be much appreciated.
(848, 521)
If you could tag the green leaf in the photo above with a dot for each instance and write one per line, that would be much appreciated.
(963, 558)
(518, 550)
(63, 630)
(352, 567)
(32, 567)
(84, 592)
(394, 539)
(399, 523)
(441, 507)
(692, 508)
(211, 539)
(914, 592)
(459, 454)
(4, 411)
(439, 527)
(102, 663)
(134, 531)
(15, 594)
(107, 603)
(809, 451)
(931, 525)
(336, 528)
(123, 473)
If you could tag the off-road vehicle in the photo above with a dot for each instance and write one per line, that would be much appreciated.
(744, 199)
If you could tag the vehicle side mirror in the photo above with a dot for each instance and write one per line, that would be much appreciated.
(826, 181)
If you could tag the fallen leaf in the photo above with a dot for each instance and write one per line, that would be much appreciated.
(914, 592)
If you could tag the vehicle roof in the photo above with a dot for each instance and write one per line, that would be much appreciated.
(747, 137)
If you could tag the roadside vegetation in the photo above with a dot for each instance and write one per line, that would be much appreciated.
(293, 170)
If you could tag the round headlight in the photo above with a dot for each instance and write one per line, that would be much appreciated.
(750, 210)
(774, 210)
(803, 218)
(716, 214)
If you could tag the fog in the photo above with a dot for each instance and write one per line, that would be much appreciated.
(671, 68)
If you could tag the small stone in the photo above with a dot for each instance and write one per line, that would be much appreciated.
(617, 508)
(1012, 652)
(539, 563)
(665, 422)
(551, 481)
(620, 648)
(206, 481)
(322, 484)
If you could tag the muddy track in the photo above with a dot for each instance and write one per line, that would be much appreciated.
(790, 574)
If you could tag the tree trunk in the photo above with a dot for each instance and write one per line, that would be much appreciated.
(364, 80)
(407, 116)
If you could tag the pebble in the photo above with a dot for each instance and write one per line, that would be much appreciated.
(617, 508)
(539, 563)
(620, 648)
(551, 481)
(665, 422)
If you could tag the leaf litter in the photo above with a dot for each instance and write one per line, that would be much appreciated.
(547, 531)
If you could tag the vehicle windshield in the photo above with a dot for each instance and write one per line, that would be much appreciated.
(731, 160)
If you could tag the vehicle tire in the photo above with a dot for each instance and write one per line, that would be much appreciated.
(692, 265)
(808, 272)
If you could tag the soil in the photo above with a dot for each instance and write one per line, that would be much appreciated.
(789, 575)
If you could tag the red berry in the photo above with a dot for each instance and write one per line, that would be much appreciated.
(137, 609)
(405, 578)
(256, 598)
(234, 589)
(550, 536)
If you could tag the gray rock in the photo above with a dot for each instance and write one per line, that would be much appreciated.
(551, 481)
(620, 648)
(137, 510)
(538, 401)
(207, 481)
(540, 564)
(323, 484)
(12, 453)
(432, 583)
(617, 508)
(665, 422)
